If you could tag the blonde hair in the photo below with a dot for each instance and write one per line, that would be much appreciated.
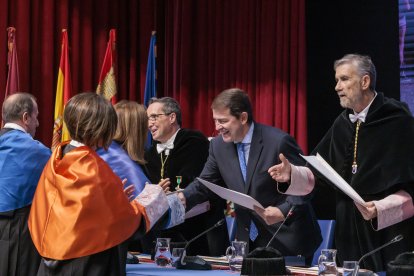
(132, 128)
(90, 119)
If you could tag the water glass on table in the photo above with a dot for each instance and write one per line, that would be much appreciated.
(350, 268)
(177, 252)
(162, 252)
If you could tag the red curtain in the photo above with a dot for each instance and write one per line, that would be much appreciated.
(204, 47)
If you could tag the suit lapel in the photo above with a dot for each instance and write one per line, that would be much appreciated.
(256, 148)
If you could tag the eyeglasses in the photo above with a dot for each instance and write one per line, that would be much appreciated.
(154, 117)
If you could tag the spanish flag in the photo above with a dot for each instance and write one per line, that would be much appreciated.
(63, 93)
(107, 80)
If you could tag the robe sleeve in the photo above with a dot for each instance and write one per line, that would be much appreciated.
(302, 181)
(153, 203)
(393, 209)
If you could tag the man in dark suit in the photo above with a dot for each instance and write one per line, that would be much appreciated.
(242, 141)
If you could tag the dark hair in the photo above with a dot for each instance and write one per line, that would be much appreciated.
(364, 66)
(16, 105)
(90, 119)
(169, 105)
(236, 100)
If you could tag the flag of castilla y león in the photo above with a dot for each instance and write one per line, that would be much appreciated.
(107, 80)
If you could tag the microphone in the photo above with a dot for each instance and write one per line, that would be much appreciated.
(195, 262)
(289, 214)
(394, 240)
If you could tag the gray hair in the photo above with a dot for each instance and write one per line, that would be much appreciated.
(16, 105)
(364, 66)
(169, 105)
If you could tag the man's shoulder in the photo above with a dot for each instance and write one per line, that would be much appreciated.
(267, 131)
(22, 139)
(190, 136)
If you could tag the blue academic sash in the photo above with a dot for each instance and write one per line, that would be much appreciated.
(22, 160)
(123, 166)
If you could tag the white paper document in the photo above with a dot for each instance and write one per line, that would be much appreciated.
(326, 170)
(236, 197)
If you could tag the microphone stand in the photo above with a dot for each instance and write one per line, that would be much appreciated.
(220, 222)
(280, 226)
(394, 240)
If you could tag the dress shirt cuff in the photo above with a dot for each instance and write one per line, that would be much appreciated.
(302, 181)
(393, 209)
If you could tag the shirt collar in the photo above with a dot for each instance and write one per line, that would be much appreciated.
(249, 135)
(76, 144)
(14, 126)
(167, 146)
(363, 114)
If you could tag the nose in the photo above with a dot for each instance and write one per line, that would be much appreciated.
(218, 126)
(338, 86)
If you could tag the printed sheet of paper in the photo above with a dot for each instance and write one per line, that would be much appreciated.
(236, 197)
(326, 170)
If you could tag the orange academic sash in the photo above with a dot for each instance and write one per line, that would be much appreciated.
(79, 207)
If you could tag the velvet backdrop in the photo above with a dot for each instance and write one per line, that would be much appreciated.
(204, 47)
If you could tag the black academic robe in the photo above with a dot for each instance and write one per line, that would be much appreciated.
(187, 159)
(385, 158)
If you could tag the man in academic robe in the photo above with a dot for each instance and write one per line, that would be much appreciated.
(175, 158)
(239, 158)
(21, 162)
(370, 145)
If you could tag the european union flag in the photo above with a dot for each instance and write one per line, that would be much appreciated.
(151, 78)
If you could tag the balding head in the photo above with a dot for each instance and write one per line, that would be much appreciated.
(21, 109)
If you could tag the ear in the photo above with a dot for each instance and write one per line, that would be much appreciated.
(243, 117)
(173, 118)
(366, 82)
(25, 118)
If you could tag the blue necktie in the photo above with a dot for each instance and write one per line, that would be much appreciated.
(242, 160)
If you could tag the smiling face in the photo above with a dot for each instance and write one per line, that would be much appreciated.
(161, 125)
(351, 87)
(232, 129)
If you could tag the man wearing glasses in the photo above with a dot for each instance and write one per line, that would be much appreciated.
(175, 158)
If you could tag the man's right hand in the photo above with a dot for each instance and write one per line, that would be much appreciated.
(182, 198)
(281, 172)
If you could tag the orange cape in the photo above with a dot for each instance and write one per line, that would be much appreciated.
(79, 207)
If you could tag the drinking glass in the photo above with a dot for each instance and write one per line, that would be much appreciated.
(350, 268)
(162, 252)
(327, 263)
(177, 252)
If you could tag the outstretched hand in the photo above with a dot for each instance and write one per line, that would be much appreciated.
(281, 171)
(128, 191)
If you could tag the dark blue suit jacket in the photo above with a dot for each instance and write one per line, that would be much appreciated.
(301, 234)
